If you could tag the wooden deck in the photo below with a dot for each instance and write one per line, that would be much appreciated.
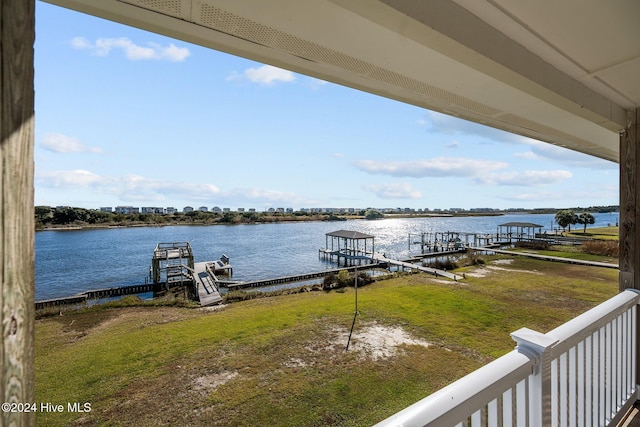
(205, 282)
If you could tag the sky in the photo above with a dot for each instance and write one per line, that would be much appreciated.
(126, 117)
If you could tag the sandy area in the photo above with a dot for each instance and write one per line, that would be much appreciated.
(374, 341)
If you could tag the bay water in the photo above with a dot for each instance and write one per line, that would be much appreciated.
(73, 261)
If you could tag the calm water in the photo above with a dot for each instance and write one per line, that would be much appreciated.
(69, 262)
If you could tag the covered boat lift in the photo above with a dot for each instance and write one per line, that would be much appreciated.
(350, 247)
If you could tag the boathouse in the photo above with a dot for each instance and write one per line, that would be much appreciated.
(348, 247)
(537, 69)
(518, 231)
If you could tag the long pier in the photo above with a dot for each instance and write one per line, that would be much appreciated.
(406, 264)
(296, 277)
(550, 258)
(83, 297)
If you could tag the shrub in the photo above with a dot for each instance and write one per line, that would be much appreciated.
(344, 279)
(540, 245)
(329, 280)
(473, 258)
(601, 247)
(448, 263)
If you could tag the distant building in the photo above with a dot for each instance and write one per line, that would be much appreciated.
(203, 209)
(216, 209)
(226, 209)
(152, 210)
(240, 209)
(170, 210)
(127, 210)
(187, 209)
(106, 209)
(252, 209)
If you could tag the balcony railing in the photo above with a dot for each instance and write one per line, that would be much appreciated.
(582, 373)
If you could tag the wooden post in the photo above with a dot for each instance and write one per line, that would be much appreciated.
(629, 232)
(17, 35)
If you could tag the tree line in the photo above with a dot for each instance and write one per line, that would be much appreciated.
(46, 216)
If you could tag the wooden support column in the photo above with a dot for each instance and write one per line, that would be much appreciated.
(17, 35)
(629, 258)
(630, 204)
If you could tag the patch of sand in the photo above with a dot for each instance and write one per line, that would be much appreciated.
(488, 269)
(374, 341)
(502, 261)
(208, 383)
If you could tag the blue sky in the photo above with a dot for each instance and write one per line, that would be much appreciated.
(128, 117)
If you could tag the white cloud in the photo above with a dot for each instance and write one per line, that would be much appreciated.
(265, 75)
(529, 155)
(262, 196)
(60, 143)
(138, 189)
(133, 188)
(443, 124)
(394, 191)
(67, 178)
(528, 178)
(316, 83)
(436, 167)
(134, 52)
(546, 151)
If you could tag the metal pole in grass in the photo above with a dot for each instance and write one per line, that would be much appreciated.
(355, 314)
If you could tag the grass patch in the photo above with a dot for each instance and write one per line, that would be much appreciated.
(602, 233)
(281, 360)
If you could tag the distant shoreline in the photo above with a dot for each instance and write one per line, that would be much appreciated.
(265, 220)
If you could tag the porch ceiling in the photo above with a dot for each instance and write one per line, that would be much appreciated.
(561, 72)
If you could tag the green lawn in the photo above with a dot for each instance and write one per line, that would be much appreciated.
(603, 233)
(282, 360)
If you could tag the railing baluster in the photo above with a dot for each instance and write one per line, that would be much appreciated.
(588, 379)
(564, 389)
(555, 393)
(615, 365)
(572, 384)
(580, 383)
(632, 349)
(608, 373)
(492, 413)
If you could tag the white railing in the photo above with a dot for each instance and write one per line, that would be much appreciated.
(582, 373)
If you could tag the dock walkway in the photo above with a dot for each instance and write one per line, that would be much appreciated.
(295, 278)
(436, 272)
(205, 281)
(551, 258)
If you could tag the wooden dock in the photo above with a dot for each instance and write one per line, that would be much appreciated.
(83, 297)
(404, 264)
(205, 281)
(296, 277)
(550, 258)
